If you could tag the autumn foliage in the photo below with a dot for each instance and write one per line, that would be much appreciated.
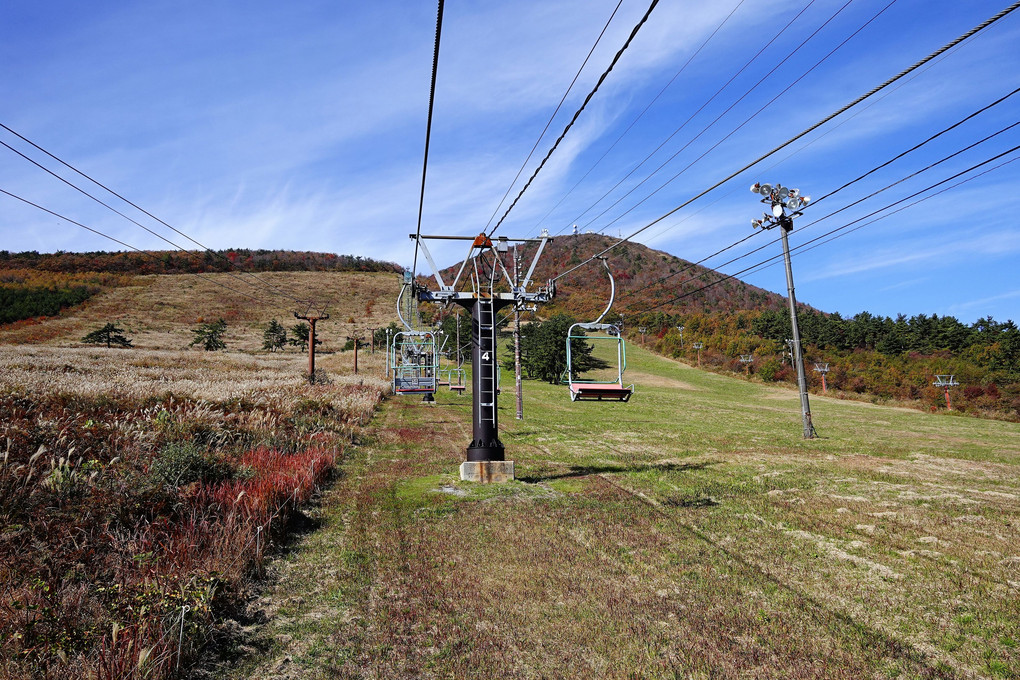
(130, 526)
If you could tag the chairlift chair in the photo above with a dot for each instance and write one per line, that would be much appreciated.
(596, 389)
(414, 358)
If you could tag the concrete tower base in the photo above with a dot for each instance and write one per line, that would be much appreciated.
(487, 471)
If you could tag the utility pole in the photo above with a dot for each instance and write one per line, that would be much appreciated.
(681, 329)
(311, 341)
(357, 341)
(698, 346)
(781, 198)
(517, 340)
(822, 369)
(643, 330)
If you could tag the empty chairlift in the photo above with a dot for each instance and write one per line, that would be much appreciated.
(607, 343)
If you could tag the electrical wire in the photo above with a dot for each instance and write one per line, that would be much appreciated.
(645, 110)
(138, 250)
(920, 144)
(732, 132)
(813, 141)
(135, 222)
(700, 109)
(854, 181)
(556, 111)
(726, 277)
(871, 195)
(132, 204)
(878, 88)
(577, 113)
(814, 243)
(428, 130)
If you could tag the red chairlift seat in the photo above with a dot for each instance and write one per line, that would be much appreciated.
(599, 392)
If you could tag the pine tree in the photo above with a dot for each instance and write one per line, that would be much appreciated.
(210, 336)
(108, 335)
(274, 337)
(299, 336)
(544, 350)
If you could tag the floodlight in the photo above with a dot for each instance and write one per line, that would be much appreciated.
(794, 193)
(755, 224)
(782, 192)
(777, 209)
(805, 199)
(765, 190)
(793, 203)
(755, 187)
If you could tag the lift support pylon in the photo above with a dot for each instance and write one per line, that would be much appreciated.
(486, 456)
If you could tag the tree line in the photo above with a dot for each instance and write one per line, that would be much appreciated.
(192, 262)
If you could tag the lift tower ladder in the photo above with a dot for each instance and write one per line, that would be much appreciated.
(486, 377)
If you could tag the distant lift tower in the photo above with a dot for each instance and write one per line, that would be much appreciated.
(822, 368)
(945, 382)
(491, 288)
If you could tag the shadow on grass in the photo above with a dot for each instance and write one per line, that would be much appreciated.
(586, 470)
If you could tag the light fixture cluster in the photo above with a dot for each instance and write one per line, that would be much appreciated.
(781, 198)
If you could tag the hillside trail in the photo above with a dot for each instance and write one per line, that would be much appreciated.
(411, 573)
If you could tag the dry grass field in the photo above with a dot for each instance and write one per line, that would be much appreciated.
(159, 311)
(141, 489)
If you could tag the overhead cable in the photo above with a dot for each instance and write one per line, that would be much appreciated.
(131, 247)
(732, 132)
(428, 129)
(645, 110)
(260, 281)
(861, 177)
(843, 109)
(840, 228)
(139, 224)
(702, 107)
(577, 113)
(557, 110)
(814, 243)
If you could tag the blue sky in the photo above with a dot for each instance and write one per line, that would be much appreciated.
(301, 126)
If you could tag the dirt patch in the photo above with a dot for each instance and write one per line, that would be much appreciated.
(652, 380)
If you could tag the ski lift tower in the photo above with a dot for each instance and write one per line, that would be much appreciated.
(945, 382)
(491, 289)
(698, 345)
(822, 368)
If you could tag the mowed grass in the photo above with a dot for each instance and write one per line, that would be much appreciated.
(692, 532)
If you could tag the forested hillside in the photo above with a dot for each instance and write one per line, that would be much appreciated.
(866, 356)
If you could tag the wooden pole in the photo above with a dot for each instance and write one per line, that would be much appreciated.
(311, 342)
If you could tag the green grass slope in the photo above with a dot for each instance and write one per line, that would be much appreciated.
(689, 533)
